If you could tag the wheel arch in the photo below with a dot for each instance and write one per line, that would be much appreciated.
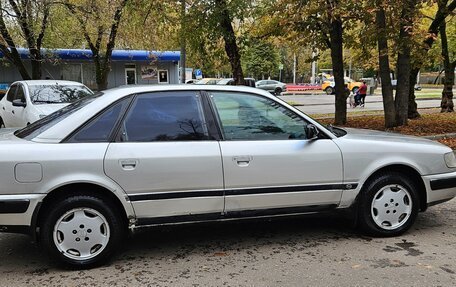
(407, 170)
(79, 188)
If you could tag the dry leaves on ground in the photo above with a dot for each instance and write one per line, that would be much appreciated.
(426, 125)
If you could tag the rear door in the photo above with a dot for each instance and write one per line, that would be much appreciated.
(166, 161)
(270, 166)
(19, 118)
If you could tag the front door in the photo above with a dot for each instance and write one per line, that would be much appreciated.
(269, 164)
(130, 76)
(19, 113)
(165, 161)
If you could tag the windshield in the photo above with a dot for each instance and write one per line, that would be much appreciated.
(36, 128)
(57, 94)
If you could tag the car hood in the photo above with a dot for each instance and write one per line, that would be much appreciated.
(47, 109)
(371, 135)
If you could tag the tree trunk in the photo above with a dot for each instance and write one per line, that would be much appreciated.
(448, 82)
(35, 57)
(337, 59)
(387, 87)
(403, 63)
(229, 37)
(412, 106)
(443, 11)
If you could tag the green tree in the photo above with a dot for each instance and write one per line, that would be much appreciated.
(25, 25)
(99, 22)
(260, 58)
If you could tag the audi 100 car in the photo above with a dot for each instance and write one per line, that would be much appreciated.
(80, 178)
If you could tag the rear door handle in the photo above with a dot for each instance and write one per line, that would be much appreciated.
(243, 160)
(128, 164)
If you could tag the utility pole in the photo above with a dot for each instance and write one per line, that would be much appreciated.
(314, 68)
(294, 68)
(183, 44)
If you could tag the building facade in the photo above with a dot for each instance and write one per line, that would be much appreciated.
(127, 67)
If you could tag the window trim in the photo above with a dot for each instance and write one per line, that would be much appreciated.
(210, 131)
(219, 122)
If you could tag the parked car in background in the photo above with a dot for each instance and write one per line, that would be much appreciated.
(329, 84)
(249, 82)
(28, 101)
(207, 81)
(272, 86)
(81, 178)
(3, 90)
(191, 81)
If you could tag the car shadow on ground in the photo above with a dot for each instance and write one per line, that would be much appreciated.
(177, 242)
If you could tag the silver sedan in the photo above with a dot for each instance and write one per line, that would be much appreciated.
(80, 178)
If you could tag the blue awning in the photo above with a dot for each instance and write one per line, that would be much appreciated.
(117, 55)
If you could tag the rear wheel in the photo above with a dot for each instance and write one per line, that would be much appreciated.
(389, 205)
(81, 231)
(329, 90)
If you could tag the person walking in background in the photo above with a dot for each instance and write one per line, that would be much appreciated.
(362, 93)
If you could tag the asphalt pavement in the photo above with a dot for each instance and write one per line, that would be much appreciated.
(309, 251)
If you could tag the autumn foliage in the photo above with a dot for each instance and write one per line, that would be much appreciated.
(426, 125)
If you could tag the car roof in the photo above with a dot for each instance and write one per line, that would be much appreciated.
(61, 129)
(48, 82)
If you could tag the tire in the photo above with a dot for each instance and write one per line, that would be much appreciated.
(329, 90)
(355, 89)
(81, 218)
(389, 205)
(277, 91)
(2, 124)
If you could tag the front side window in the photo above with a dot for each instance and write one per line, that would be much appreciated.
(11, 93)
(165, 116)
(20, 95)
(251, 117)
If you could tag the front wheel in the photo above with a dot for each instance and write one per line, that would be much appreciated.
(329, 90)
(389, 205)
(81, 231)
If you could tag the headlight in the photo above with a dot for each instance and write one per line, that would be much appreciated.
(450, 159)
(42, 116)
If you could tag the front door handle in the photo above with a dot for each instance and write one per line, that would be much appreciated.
(128, 164)
(243, 160)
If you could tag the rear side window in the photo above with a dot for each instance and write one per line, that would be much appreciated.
(165, 116)
(11, 93)
(100, 128)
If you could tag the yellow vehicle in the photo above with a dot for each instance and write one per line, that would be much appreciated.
(328, 85)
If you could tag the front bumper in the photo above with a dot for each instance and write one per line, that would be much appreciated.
(18, 212)
(440, 187)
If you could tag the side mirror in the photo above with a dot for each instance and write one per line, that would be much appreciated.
(19, 103)
(312, 132)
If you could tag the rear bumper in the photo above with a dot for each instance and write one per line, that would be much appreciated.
(440, 187)
(17, 212)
